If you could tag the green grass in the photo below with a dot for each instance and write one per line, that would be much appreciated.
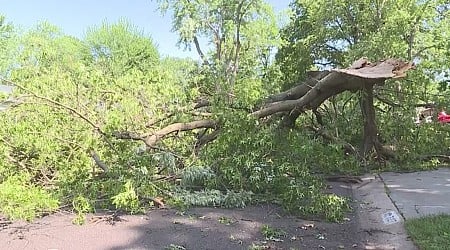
(430, 233)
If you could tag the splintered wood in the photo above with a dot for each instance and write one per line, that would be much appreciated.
(390, 68)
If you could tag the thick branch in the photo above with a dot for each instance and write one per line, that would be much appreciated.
(334, 83)
(128, 136)
(360, 74)
(99, 161)
(176, 127)
(444, 158)
(299, 90)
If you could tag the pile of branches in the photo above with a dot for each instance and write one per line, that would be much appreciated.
(362, 75)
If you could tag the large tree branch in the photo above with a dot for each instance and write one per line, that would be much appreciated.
(299, 90)
(332, 84)
(360, 74)
(176, 127)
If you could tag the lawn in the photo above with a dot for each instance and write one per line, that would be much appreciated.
(430, 233)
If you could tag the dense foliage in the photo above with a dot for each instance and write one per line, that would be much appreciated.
(414, 30)
(85, 125)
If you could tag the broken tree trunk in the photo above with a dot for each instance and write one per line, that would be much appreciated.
(331, 83)
(370, 132)
(361, 76)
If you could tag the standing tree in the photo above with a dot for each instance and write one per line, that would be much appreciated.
(240, 35)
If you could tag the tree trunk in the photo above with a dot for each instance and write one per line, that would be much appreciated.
(370, 136)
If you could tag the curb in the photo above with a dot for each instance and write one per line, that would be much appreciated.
(378, 218)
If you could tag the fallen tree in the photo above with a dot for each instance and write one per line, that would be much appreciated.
(362, 76)
(309, 95)
(248, 166)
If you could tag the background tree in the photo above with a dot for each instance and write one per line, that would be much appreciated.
(241, 36)
(122, 46)
(7, 42)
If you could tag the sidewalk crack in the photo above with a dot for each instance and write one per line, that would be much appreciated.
(388, 193)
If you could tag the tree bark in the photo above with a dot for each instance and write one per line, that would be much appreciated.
(157, 136)
(311, 95)
(332, 84)
(370, 132)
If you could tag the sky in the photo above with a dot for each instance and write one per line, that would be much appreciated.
(73, 17)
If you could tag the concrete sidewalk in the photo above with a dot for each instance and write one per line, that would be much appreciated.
(421, 193)
(386, 200)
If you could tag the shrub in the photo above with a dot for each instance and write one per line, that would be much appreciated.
(21, 200)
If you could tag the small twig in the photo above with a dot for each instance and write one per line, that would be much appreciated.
(72, 110)
(98, 161)
(445, 158)
(5, 223)
(109, 218)
(49, 181)
(11, 159)
(344, 178)
(95, 126)
(166, 178)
